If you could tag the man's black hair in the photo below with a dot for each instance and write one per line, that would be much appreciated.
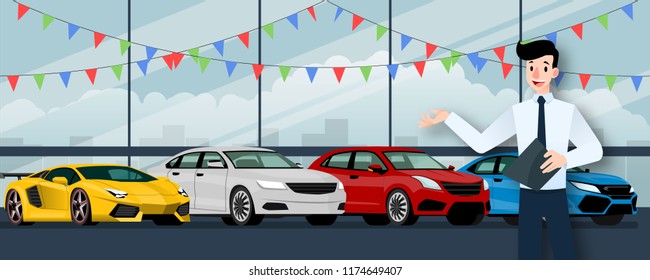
(537, 49)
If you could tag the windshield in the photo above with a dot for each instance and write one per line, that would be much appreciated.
(115, 173)
(259, 159)
(412, 161)
(575, 169)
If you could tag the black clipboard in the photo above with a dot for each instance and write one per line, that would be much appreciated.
(526, 169)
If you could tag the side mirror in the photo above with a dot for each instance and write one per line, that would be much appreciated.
(587, 170)
(163, 178)
(451, 167)
(60, 180)
(299, 164)
(375, 168)
(215, 164)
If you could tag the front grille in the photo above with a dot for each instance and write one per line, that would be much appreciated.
(312, 188)
(34, 197)
(616, 191)
(462, 189)
(593, 204)
(619, 209)
(124, 211)
(183, 209)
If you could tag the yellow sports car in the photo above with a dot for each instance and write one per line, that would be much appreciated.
(90, 193)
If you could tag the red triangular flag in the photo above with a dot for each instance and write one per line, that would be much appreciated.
(420, 67)
(244, 38)
(578, 30)
(22, 9)
(430, 49)
(356, 20)
(13, 81)
(177, 57)
(338, 71)
(91, 75)
(506, 69)
(584, 79)
(98, 38)
(500, 51)
(169, 59)
(311, 12)
(257, 69)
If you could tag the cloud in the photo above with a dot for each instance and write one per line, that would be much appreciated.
(17, 113)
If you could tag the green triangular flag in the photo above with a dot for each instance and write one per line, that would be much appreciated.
(203, 62)
(39, 80)
(365, 70)
(124, 45)
(268, 29)
(447, 61)
(525, 42)
(194, 54)
(284, 70)
(455, 56)
(381, 30)
(117, 70)
(604, 20)
(46, 21)
(610, 81)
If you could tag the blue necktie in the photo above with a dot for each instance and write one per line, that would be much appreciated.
(541, 126)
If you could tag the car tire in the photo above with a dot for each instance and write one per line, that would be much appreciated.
(607, 220)
(398, 208)
(242, 209)
(14, 209)
(228, 221)
(321, 220)
(376, 220)
(80, 210)
(463, 218)
(167, 220)
(511, 220)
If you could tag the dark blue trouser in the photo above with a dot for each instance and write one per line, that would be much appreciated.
(552, 204)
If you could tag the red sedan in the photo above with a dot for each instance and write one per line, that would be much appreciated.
(390, 184)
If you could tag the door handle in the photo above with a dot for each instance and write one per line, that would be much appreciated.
(498, 179)
(176, 173)
(199, 174)
(354, 176)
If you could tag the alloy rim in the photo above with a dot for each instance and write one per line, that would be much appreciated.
(241, 206)
(14, 207)
(79, 206)
(397, 207)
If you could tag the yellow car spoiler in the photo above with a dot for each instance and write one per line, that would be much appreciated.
(17, 175)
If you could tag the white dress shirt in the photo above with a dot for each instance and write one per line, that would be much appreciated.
(563, 124)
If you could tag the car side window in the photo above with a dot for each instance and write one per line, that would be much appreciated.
(363, 159)
(68, 173)
(485, 166)
(211, 156)
(338, 160)
(172, 163)
(504, 163)
(189, 160)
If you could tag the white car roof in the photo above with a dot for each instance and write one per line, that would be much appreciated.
(225, 149)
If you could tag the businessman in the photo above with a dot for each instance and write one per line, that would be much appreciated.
(554, 123)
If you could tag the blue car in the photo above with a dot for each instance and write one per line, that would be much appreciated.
(604, 198)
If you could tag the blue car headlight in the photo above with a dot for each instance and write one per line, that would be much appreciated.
(485, 185)
(428, 183)
(631, 189)
(585, 187)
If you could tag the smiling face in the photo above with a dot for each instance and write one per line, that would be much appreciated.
(539, 73)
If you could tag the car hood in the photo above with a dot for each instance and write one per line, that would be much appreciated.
(157, 187)
(595, 178)
(449, 176)
(286, 175)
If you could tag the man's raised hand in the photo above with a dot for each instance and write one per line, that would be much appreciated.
(440, 116)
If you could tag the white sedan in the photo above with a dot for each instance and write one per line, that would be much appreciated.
(242, 184)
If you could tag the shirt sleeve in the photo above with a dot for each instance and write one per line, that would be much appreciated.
(498, 132)
(588, 148)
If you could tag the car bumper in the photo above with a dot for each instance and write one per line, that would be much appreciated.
(427, 202)
(135, 208)
(594, 204)
(287, 202)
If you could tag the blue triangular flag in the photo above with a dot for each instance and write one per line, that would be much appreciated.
(629, 11)
(473, 57)
(552, 37)
(558, 79)
(230, 66)
(293, 19)
(392, 69)
(72, 29)
(311, 71)
(480, 62)
(405, 41)
(338, 13)
(219, 46)
(65, 77)
(636, 80)
(143, 66)
(151, 51)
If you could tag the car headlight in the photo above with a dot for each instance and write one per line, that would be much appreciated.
(117, 193)
(271, 185)
(585, 187)
(485, 185)
(340, 185)
(428, 183)
(631, 189)
(182, 192)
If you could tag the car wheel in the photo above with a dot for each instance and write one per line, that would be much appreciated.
(376, 220)
(511, 220)
(398, 208)
(228, 221)
(321, 220)
(14, 208)
(607, 220)
(80, 208)
(167, 220)
(242, 210)
(464, 218)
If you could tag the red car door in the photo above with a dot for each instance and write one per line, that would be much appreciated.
(368, 187)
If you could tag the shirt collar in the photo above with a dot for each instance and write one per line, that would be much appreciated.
(548, 97)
